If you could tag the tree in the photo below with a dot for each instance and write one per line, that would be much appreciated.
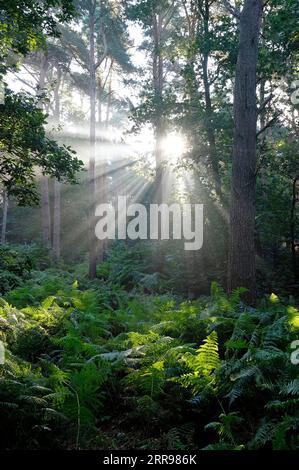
(24, 147)
(57, 185)
(4, 217)
(155, 18)
(207, 45)
(45, 199)
(242, 268)
(26, 24)
(105, 38)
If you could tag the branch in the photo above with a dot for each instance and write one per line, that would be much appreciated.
(104, 55)
(264, 104)
(107, 76)
(269, 124)
(168, 15)
(187, 16)
(34, 76)
(231, 9)
(217, 71)
(25, 83)
(74, 54)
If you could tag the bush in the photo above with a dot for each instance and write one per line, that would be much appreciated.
(14, 266)
(111, 355)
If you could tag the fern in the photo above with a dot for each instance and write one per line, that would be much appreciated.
(291, 388)
(207, 358)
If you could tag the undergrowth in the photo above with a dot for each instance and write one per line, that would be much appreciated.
(112, 364)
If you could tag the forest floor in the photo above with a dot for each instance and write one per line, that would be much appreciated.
(110, 364)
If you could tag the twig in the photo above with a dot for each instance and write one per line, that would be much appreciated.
(269, 124)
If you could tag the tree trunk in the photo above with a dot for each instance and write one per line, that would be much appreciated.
(57, 186)
(46, 216)
(293, 229)
(57, 96)
(109, 98)
(208, 106)
(4, 217)
(92, 141)
(99, 98)
(158, 81)
(103, 168)
(57, 220)
(45, 200)
(100, 170)
(242, 268)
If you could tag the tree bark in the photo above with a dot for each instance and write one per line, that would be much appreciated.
(95, 249)
(99, 99)
(46, 216)
(208, 105)
(92, 141)
(109, 98)
(57, 220)
(293, 229)
(57, 186)
(242, 267)
(4, 217)
(103, 167)
(158, 82)
(45, 200)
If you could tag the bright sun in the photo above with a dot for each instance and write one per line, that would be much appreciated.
(174, 145)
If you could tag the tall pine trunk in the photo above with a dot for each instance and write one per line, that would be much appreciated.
(293, 228)
(57, 186)
(92, 142)
(208, 104)
(4, 217)
(103, 166)
(95, 249)
(57, 220)
(242, 267)
(99, 99)
(158, 81)
(109, 97)
(46, 216)
(45, 199)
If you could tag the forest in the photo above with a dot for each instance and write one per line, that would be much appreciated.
(149, 225)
